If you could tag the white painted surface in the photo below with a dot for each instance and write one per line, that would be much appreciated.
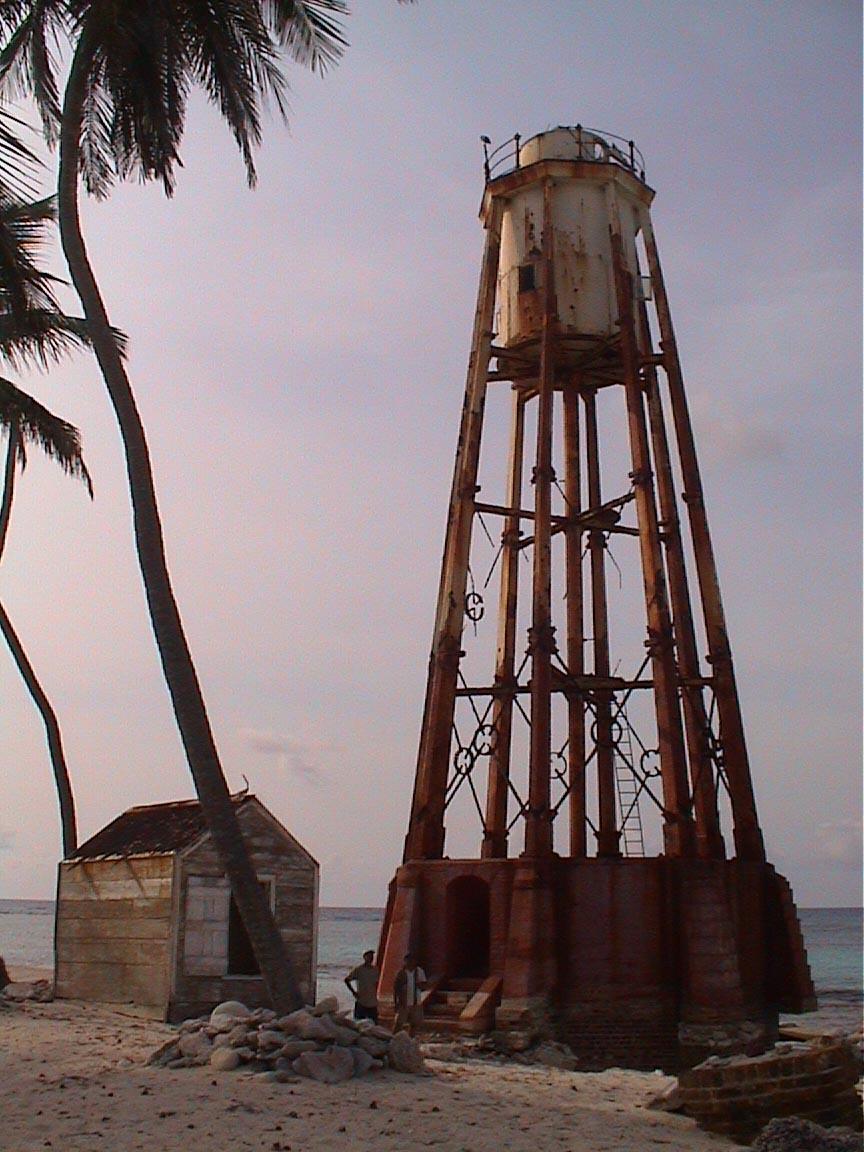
(584, 285)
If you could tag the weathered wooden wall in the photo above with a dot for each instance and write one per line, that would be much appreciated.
(114, 930)
(200, 977)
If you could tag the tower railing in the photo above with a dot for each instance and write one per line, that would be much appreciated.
(592, 145)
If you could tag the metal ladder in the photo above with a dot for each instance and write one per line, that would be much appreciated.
(632, 838)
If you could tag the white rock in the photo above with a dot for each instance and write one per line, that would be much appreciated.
(291, 1023)
(330, 1067)
(375, 1030)
(344, 1036)
(404, 1054)
(195, 1044)
(269, 1038)
(326, 1007)
(554, 1056)
(311, 1028)
(224, 1059)
(230, 1008)
(362, 1060)
(18, 992)
(295, 1047)
(374, 1047)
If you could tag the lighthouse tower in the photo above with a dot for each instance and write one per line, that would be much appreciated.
(614, 892)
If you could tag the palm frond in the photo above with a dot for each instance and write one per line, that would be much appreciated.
(41, 336)
(312, 36)
(36, 425)
(23, 231)
(18, 165)
(28, 66)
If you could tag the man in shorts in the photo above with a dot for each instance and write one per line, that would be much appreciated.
(362, 983)
(410, 981)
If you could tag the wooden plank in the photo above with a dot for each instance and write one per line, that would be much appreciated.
(112, 983)
(125, 888)
(135, 952)
(116, 868)
(113, 928)
(145, 907)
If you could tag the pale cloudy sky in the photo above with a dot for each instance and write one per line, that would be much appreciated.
(299, 356)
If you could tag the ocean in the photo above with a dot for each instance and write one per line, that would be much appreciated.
(833, 937)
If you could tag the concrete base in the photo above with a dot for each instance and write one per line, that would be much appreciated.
(642, 962)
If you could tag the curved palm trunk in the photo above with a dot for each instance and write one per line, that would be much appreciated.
(179, 670)
(52, 734)
(49, 718)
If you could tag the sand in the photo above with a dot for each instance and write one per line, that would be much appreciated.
(73, 1076)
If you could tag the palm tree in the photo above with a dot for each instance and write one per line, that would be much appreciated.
(32, 327)
(123, 112)
(27, 421)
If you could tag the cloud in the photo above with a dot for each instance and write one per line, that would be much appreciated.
(735, 439)
(302, 757)
(838, 841)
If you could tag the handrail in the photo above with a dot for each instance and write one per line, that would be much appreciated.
(594, 146)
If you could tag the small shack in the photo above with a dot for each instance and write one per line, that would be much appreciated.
(145, 914)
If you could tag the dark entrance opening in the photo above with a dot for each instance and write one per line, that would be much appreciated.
(468, 927)
(241, 957)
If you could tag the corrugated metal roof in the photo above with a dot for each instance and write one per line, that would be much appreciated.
(151, 829)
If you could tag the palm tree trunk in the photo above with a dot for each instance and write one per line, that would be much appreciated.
(178, 668)
(9, 481)
(52, 734)
(49, 718)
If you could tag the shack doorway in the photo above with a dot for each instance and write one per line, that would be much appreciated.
(467, 928)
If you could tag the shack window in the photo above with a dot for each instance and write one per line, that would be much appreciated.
(527, 277)
(241, 958)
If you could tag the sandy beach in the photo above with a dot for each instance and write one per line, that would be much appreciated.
(74, 1076)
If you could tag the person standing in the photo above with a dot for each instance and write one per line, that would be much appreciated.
(410, 981)
(365, 977)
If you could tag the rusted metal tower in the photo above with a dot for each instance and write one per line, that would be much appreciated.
(562, 922)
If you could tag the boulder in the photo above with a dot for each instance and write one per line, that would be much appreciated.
(279, 1076)
(262, 1016)
(405, 1055)
(374, 1047)
(330, 1067)
(377, 1031)
(312, 1028)
(346, 1020)
(194, 1044)
(233, 1009)
(165, 1053)
(554, 1055)
(295, 1047)
(5, 978)
(337, 1032)
(224, 1059)
(791, 1134)
(362, 1060)
(326, 1007)
(270, 1038)
(40, 990)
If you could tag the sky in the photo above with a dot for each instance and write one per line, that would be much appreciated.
(299, 353)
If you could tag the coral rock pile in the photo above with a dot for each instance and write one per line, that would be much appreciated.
(319, 1043)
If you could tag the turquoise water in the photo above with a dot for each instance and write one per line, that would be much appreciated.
(833, 937)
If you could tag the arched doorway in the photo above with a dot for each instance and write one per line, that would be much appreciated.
(467, 927)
